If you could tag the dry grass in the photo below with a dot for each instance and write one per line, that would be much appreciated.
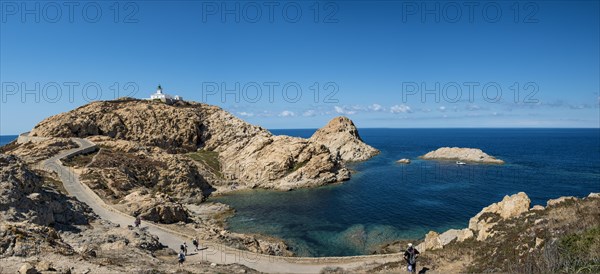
(209, 159)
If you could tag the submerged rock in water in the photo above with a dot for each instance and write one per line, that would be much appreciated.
(355, 236)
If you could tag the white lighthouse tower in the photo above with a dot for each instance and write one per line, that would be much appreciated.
(160, 95)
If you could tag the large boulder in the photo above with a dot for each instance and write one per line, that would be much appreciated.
(510, 206)
(158, 208)
(434, 241)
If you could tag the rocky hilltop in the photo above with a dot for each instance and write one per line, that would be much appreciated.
(473, 155)
(341, 137)
(234, 154)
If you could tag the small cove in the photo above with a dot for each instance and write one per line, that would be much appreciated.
(385, 201)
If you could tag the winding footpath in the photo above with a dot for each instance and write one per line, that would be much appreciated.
(213, 252)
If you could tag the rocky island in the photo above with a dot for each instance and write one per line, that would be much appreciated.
(473, 155)
(157, 161)
(205, 145)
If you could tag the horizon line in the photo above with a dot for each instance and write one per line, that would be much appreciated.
(12, 134)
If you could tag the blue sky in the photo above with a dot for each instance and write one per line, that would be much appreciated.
(381, 63)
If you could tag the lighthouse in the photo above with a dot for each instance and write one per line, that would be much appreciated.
(160, 95)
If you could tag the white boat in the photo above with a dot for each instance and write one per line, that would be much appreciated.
(460, 163)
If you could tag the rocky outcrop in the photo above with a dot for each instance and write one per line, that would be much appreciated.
(23, 198)
(481, 225)
(341, 137)
(473, 155)
(33, 152)
(25, 240)
(554, 202)
(246, 155)
(403, 161)
(158, 208)
(434, 241)
(510, 206)
(115, 172)
(256, 243)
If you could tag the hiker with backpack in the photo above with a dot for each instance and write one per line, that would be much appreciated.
(183, 249)
(138, 221)
(196, 244)
(181, 258)
(410, 255)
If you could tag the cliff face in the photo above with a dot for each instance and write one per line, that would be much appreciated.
(341, 137)
(234, 153)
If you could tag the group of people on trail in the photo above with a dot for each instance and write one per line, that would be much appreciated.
(410, 256)
(183, 250)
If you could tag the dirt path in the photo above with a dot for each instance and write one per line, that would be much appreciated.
(213, 252)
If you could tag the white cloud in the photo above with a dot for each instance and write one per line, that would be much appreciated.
(400, 109)
(287, 113)
(376, 107)
(344, 110)
(309, 113)
(442, 108)
(245, 114)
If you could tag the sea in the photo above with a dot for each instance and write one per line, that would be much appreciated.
(385, 201)
(5, 139)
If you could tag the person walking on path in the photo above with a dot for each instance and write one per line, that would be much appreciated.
(196, 245)
(181, 259)
(410, 255)
(138, 221)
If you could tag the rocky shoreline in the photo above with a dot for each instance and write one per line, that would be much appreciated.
(166, 178)
(511, 234)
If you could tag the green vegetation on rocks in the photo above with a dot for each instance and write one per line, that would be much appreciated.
(210, 159)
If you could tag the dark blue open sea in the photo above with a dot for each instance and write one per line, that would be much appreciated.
(5, 139)
(385, 201)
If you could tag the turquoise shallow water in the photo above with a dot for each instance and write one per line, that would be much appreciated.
(385, 201)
